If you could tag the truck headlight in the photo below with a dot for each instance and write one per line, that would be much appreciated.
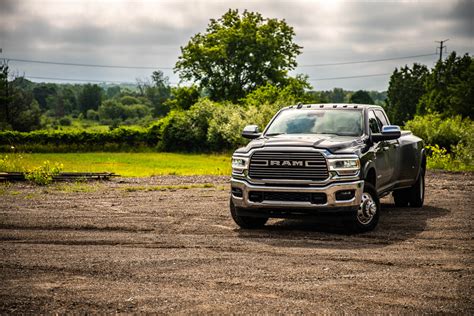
(239, 164)
(344, 166)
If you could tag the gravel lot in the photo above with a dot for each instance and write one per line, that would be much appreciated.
(146, 245)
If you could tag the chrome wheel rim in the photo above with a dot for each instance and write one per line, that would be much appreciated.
(367, 209)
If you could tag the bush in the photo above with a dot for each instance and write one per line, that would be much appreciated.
(447, 132)
(187, 130)
(92, 115)
(44, 174)
(450, 140)
(77, 140)
(65, 121)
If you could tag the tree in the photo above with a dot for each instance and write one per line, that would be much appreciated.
(450, 87)
(90, 97)
(113, 92)
(158, 93)
(44, 92)
(406, 87)
(5, 97)
(361, 97)
(294, 92)
(239, 53)
(19, 110)
(182, 98)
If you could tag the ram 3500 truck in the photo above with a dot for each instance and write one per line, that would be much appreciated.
(332, 159)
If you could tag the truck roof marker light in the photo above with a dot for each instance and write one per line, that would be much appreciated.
(321, 105)
(344, 106)
(334, 106)
(299, 106)
(355, 106)
(308, 106)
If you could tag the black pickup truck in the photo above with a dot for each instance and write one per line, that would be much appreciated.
(326, 159)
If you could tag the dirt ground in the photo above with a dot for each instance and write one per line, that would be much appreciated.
(147, 245)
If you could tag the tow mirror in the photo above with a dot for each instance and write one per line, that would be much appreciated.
(251, 132)
(389, 132)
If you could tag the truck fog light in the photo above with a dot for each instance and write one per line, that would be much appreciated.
(237, 192)
(345, 195)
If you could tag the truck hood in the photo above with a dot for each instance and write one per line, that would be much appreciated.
(330, 142)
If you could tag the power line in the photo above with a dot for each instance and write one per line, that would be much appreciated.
(84, 65)
(125, 82)
(83, 80)
(350, 77)
(366, 61)
(75, 79)
(170, 68)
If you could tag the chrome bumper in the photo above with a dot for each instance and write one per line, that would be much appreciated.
(330, 191)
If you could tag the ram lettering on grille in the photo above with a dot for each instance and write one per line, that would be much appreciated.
(288, 165)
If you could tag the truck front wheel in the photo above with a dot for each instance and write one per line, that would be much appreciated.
(367, 215)
(246, 221)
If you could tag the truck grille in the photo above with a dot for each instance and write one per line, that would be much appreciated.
(288, 165)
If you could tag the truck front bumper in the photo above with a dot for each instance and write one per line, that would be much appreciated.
(254, 199)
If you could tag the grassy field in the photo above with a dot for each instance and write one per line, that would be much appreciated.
(131, 164)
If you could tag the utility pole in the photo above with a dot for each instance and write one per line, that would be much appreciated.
(441, 47)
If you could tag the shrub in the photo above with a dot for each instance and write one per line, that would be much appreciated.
(225, 127)
(65, 121)
(435, 129)
(92, 115)
(43, 174)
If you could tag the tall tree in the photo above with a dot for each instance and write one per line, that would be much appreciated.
(450, 87)
(361, 97)
(158, 93)
(19, 110)
(405, 89)
(5, 98)
(90, 97)
(239, 53)
(44, 91)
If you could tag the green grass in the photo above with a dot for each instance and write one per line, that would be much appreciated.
(130, 164)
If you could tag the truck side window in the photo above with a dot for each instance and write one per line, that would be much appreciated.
(381, 118)
(373, 124)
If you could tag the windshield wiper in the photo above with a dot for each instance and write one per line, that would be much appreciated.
(274, 134)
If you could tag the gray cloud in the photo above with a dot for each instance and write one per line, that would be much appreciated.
(150, 33)
(8, 7)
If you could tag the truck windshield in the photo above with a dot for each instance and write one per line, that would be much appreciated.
(317, 121)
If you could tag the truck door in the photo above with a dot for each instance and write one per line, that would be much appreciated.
(382, 155)
(392, 148)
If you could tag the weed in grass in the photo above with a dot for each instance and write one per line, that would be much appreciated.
(4, 187)
(77, 187)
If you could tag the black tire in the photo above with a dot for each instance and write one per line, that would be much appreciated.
(246, 222)
(415, 195)
(417, 191)
(401, 197)
(367, 215)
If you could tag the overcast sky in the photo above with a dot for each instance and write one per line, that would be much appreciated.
(150, 33)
